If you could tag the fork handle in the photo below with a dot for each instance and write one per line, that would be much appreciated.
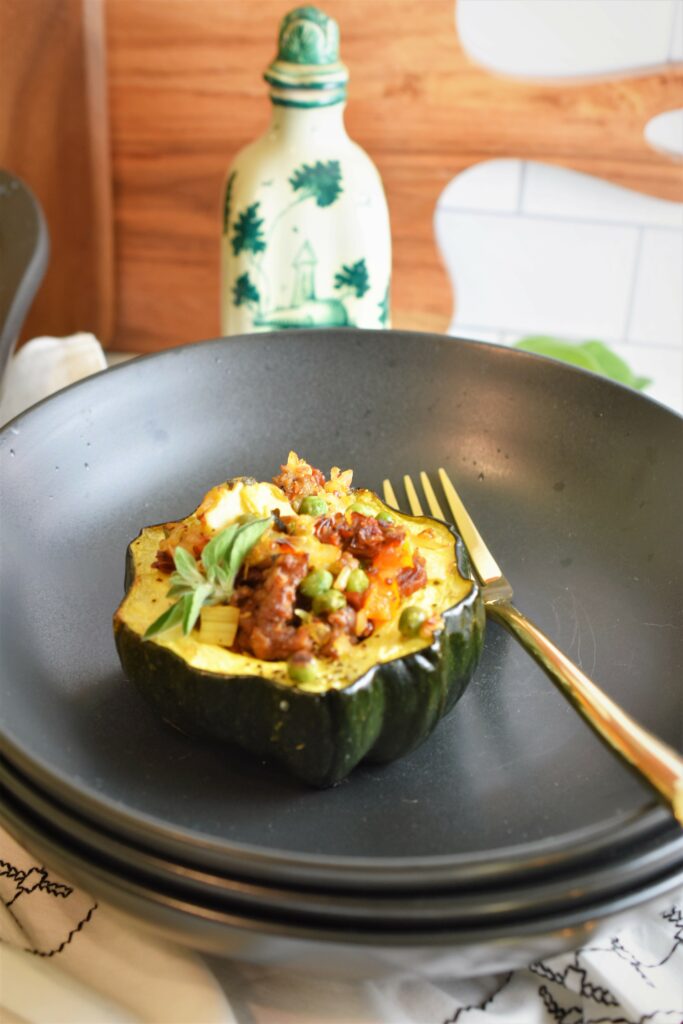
(657, 763)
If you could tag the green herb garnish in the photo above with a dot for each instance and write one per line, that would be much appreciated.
(213, 581)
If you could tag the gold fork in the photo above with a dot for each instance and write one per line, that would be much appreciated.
(657, 763)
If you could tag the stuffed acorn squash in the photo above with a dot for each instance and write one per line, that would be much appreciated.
(302, 620)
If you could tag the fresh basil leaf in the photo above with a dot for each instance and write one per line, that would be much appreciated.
(217, 548)
(187, 566)
(223, 578)
(193, 605)
(246, 538)
(178, 589)
(171, 617)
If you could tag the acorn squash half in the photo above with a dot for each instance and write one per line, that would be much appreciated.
(374, 691)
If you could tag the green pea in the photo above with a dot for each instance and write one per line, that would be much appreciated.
(313, 506)
(302, 668)
(317, 582)
(330, 601)
(384, 517)
(363, 510)
(357, 582)
(411, 620)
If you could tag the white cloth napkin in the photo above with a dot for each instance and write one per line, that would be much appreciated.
(46, 365)
(65, 958)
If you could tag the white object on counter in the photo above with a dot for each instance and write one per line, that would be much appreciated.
(45, 365)
(66, 959)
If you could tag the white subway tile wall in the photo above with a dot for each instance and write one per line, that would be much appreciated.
(555, 192)
(657, 314)
(665, 131)
(537, 249)
(496, 185)
(540, 275)
(565, 38)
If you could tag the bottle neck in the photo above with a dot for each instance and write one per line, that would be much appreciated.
(298, 124)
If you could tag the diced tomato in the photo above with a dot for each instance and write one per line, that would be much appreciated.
(382, 602)
(393, 557)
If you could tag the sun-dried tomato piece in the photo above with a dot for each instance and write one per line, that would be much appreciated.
(412, 577)
(164, 561)
(362, 536)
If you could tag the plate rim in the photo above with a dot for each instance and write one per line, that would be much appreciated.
(425, 870)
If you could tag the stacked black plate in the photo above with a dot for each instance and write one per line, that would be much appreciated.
(511, 831)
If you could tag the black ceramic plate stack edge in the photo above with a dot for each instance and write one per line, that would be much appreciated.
(604, 847)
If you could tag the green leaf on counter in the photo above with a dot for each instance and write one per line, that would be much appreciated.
(589, 355)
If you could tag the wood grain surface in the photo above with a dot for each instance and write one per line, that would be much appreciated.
(54, 130)
(186, 93)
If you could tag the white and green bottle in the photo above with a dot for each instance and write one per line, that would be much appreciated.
(306, 239)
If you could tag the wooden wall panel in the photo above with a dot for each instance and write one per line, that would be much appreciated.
(54, 133)
(186, 93)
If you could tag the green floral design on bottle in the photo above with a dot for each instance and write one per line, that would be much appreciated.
(251, 235)
(384, 307)
(228, 201)
(245, 292)
(248, 229)
(353, 278)
(319, 181)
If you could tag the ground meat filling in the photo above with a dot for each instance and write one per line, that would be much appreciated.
(266, 601)
(362, 536)
(267, 595)
(341, 623)
(299, 481)
(279, 622)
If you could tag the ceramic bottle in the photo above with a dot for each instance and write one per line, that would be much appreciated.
(306, 240)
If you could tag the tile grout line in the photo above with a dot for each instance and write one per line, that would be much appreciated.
(558, 218)
(634, 284)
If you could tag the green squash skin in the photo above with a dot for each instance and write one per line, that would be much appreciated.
(317, 737)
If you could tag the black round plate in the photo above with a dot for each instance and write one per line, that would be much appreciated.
(493, 904)
(575, 484)
(463, 947)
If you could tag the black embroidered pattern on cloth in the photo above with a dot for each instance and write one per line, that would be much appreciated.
(36, 880)
(482, 1006)
(574, 980)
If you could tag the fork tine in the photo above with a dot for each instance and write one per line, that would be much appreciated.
(483, 561)
(413, 500)
(389, 495)
(432, 500)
